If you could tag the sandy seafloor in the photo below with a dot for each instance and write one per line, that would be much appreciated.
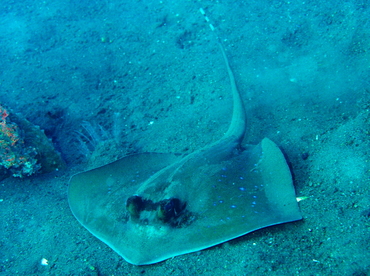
(151, 75)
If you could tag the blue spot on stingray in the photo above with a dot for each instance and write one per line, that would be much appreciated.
(241, 188)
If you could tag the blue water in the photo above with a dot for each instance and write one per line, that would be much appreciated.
(148, 76)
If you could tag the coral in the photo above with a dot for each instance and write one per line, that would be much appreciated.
(24, 149)
(14, 157)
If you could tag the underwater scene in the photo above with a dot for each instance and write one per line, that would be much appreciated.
(185, 137)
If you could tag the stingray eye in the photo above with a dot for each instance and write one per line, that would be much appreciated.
(135, 205)
(169, 209)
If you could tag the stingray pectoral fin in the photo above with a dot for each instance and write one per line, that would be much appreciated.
(93, 193)
(278, 182)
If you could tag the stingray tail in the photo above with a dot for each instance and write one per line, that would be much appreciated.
(237, 126)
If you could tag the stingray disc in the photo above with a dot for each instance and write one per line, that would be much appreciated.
(149, 207)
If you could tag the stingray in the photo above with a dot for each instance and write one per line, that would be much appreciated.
(149, 207)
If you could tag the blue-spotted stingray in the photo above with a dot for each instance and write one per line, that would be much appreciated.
(149, 207)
